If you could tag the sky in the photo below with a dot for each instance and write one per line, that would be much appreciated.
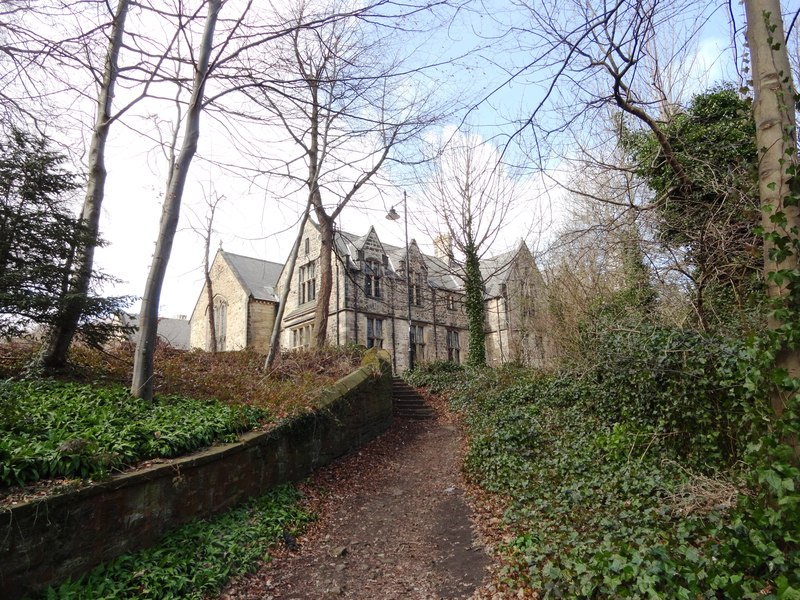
(256, 217)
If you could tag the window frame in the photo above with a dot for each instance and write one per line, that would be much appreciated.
(417, 342)
(372, 279)
(307, 283)
(453, 346)
(374, 332)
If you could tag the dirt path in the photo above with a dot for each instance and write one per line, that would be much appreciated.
(394, 525)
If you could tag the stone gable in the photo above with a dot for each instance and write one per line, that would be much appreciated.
(227, 289)
(370, 303)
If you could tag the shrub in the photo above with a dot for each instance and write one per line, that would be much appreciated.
(648, 475)
(77, 430)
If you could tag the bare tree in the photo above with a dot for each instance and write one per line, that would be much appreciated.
(54, 350)
(142, 382)
(275, 338)
(469, 194)
(205, 229)
(600, 263)
(344, 106)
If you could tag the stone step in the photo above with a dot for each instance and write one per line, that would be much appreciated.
(407, 396)
(408, 403)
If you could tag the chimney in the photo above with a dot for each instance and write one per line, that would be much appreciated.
(443, 248)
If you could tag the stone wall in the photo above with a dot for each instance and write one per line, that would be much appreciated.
(260, 322)
(45, 541)
(227, 287)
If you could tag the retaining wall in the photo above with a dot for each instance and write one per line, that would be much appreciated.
(45, 541)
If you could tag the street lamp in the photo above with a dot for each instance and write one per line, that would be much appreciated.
(393, 216)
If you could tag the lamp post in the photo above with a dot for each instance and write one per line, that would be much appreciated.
(393, 216)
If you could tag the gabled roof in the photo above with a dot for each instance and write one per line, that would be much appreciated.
(496, 269)
(257, 277)
(439, 276)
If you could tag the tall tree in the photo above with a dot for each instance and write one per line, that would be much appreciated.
(54, 349)
(776, 136)
(142, 382)
(345, 106)
(469, 193)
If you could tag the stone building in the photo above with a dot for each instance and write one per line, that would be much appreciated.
(244, 303)
(171, 331)
(370, 301)
(516, 307)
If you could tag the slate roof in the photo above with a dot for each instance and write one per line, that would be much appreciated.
(495, 270)
(257, 277)
(174, 331)
(260, 277)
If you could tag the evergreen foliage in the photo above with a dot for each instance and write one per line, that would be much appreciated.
(39, 238)
(715, 220)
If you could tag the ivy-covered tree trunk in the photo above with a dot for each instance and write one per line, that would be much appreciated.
(774, 113)
(776, 139)
(473, 302)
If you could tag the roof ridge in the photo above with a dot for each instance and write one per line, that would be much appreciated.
(252, 258)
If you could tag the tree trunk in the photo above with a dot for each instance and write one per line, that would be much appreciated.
(325, 275)
(142, 383)
(473, 303)
(776, 139)
(53, 354)
(274, 342)
(212, 325)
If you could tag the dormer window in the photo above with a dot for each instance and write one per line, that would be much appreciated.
(360, 255)
(372, 279)
(415, 288)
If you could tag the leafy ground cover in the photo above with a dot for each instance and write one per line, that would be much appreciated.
(196, 560)
(62, 429)
(653, 473)
(87, 425)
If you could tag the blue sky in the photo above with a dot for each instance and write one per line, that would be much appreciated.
(257, 216)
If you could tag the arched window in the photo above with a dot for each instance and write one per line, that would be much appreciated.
(220, 322)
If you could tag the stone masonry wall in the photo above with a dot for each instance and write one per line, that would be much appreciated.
(260, 320)
(228, 287)
(45, 541)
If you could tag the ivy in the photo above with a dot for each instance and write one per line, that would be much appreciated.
(473, 304)
(656, 473)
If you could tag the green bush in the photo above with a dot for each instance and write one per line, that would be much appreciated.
(57, 429)
(649, 475)
(196, 560)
